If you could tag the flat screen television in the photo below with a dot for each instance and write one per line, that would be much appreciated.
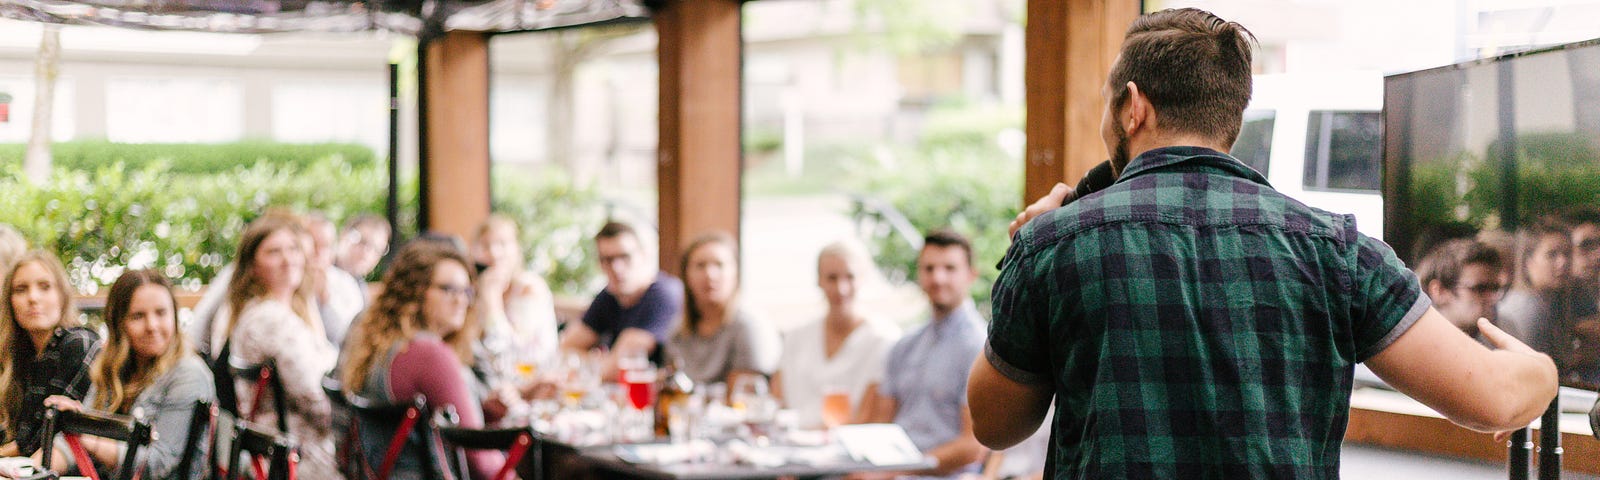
(1502, 150)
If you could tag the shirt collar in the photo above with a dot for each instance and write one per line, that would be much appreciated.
(1196, 157)
(966, 312)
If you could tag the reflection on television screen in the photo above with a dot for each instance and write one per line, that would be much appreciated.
(1492, 189)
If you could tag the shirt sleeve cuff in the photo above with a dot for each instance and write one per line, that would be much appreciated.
(1010, 371)
(1418, 308)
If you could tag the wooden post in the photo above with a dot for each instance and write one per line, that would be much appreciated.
(1071, 46)
(455, 133)
(699, 158)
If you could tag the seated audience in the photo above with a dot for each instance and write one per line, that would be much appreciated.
(833, 354)
(718, 342)
(1583, 296)
(924, 386)
(639, 307)
(145, 367)
(44, 349)
(417, 338)
(516, 307)
(270, 316)
(1465, 279)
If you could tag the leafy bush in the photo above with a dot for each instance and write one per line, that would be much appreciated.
(89, 155)
(106, 219)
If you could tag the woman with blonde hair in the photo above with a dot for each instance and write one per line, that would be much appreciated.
(418, 338)
(717, 341)
(269, 316)
(830, 359)
(146, 367)
(516, 307)
(44, 349)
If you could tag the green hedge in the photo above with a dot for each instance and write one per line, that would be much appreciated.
(88, 155)
(106, 219)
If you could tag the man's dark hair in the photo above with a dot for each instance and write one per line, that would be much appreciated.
(1193, 66)
(1445, 262)
(614, 229)
(366, 220)
(945, 237)
(1582, 216)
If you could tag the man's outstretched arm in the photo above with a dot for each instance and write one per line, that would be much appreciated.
(1485, 390)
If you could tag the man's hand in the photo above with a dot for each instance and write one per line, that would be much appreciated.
(1050, 201)
(1504, 341)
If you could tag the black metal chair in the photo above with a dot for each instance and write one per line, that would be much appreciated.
(273, 455)
(516, 442)
(400, 423)
(201, 440)
(71, 424)
(265, 378)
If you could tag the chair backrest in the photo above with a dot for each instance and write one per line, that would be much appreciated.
(71, 424)
(264, 377)
(202, 428)
(273, 455)
(400, 427)
(516, 442)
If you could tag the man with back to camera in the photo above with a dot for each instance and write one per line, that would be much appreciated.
(1464, 278)
(1191, 322)
(639, 306)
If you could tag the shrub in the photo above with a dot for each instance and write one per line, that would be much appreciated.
(89, 155)
(104, 220)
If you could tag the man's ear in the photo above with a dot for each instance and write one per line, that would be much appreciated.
(1138, 112)
(1435, 290)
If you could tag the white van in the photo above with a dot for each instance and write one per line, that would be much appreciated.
(1317, 138)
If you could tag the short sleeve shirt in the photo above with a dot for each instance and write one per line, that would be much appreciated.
(926, 375)
(656, 312)
(709, 359)
(1195, 323)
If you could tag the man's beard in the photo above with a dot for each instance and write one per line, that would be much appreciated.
(1119, 155)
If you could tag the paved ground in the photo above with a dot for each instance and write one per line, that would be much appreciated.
(1361, 462)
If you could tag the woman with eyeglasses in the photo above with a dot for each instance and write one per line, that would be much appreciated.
(270, 315)
(418, 338)
(145, 367)
(44, 348)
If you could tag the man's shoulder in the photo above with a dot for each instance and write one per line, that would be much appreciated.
(665, 287)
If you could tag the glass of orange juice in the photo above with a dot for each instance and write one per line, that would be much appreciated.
(835, 406)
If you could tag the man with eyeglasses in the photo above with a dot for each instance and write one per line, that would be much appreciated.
(639, 307)
(362, 244)
(1465, 278)
(1584, 295)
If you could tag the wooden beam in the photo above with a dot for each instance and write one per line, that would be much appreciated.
(455, 117)
(699, 158)
(1071, 46)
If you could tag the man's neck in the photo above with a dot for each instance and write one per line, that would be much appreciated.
(628, 299)
(942, 313)
(1140, 144)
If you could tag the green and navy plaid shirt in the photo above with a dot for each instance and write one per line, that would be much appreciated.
(1195, 323)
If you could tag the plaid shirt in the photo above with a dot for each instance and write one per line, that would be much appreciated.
(63, 369)
(1195, 323)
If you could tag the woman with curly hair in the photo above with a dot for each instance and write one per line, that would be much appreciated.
(146, 366)
(44, 349)
(418, 338)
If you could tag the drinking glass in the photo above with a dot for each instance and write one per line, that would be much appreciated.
(835, 406)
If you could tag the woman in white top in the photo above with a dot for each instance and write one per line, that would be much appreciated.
(518, 311)
(839, 353)
(270, 316)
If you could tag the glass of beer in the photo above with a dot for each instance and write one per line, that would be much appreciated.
(835, 406)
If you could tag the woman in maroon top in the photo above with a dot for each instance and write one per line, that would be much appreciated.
(417, 338)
